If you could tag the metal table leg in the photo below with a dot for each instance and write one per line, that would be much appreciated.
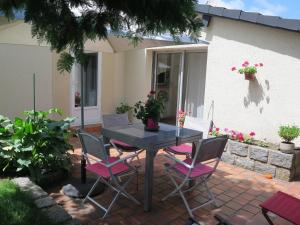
(148, 186)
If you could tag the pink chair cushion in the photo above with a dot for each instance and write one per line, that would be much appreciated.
(284, 205)
(181, 149)
(103, 171)
(197, 171)
(123, 145)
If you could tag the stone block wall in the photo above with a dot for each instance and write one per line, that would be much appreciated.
(263, 160)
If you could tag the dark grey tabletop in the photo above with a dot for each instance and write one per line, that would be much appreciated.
(134, 134)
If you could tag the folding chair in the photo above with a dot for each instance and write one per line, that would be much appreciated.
(195, 124)
(199, 169)
(112, 120)
(108, 169)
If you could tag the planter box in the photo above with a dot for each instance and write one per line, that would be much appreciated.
(263, 160)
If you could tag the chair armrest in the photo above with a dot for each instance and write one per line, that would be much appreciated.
(119, 160)
(178, 161)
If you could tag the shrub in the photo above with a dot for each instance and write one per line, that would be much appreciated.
(288, 132)
(35, 145)
(123, 108)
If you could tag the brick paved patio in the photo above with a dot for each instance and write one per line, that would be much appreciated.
(238, 193)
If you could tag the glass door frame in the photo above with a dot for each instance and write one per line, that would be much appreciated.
(181, 92)
(180, 75)
(92, 113)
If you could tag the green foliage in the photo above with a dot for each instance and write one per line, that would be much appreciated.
(248, 70)
(152, 108)
(56, 23)
(17, 207)
(34, 145)
(289, 132)
(65, 62)
(123, 108)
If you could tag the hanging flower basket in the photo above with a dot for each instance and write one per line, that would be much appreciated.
(248, 70)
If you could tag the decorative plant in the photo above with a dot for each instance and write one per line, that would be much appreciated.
(248, 70)
(123, 108)
(234, 135)
(151, 109)
(181, 117)
(35, 145)
(288, 133)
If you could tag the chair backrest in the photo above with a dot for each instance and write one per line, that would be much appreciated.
(199, 124)
(92, 145)
(112, 120)
(211, 148)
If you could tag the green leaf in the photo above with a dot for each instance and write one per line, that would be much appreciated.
(65, 62)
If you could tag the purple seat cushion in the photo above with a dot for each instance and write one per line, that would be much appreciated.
(181, 149)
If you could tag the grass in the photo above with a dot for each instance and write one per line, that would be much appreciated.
(18, 208)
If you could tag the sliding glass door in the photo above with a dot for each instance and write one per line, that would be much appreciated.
(180, 79)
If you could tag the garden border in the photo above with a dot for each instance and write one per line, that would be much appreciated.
(43, 201)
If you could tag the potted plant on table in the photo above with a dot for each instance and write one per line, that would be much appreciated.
(149, 112)
(288, 133)
(125, 108)
(248, 70)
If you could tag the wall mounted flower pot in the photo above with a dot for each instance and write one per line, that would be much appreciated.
(287, 147)
(249, 76)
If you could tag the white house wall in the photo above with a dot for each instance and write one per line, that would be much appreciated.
(17, 64)
(262, 105)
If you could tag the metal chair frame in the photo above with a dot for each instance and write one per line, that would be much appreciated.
(190, 125)
(120, 119)
(200, 180)
(113, 180)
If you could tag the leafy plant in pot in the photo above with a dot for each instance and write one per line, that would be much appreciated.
(125, 108)
(288, 133)
(150, 111)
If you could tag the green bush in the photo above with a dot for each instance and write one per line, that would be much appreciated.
(288, 133)
(123, 108)
(35, 145)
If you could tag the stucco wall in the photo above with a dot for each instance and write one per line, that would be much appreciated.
(261, 105)
(16, 87)
(61, 87)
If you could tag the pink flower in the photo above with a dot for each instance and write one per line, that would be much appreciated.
(226, 130)
(256, 65)
(246, 63)
(217, 129)
(261, 64)
(252, 134)
(233, 68)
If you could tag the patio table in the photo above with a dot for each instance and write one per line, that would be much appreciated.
(135, 135)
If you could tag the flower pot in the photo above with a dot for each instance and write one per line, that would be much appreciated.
(151, 125)
(249, 76)
(287, 147)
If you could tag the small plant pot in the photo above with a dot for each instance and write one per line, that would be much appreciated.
(151, 125)
(287, 147)
(249, 76)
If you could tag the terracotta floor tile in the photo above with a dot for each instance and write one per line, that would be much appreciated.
(238, 192)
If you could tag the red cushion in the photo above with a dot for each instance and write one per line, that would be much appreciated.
(285, 206)
(122, 145)
(181, 149)
(198, 170)
(103, 171)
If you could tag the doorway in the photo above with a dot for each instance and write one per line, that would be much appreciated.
(91, 85)
(179, 78)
